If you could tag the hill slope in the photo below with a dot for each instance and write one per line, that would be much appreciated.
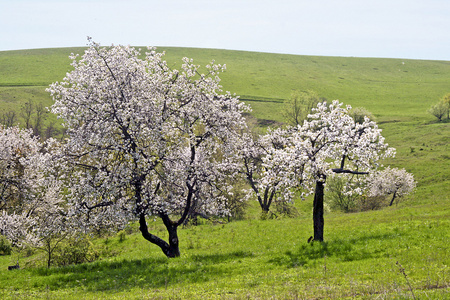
(397, 91)
(390, 88)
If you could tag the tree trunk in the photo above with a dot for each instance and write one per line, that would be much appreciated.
(267, 201)
(393, 198)
(174, 249)
(49, 252)
(170, 249)
(318, 209)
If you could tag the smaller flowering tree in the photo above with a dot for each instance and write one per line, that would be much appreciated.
(32, 210)
(266, 170)
(331, 142)
(390, 181)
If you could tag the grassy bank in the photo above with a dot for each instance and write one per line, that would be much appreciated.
(363, 257)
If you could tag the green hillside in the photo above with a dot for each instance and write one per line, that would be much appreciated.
(255, 259)
(390, 88)
(398, 92)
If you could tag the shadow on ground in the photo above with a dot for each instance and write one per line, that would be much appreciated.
(144, 273)
(342, 250)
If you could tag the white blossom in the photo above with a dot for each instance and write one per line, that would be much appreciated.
(145, 139)
(31, 205)
(328, 142)
(390, 181)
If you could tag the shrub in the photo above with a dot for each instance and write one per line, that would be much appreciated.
(286, 209)
(75, 250)
(122, 236)
(237, 202)
(359, 113)
(337, 198)
(439, 110)
(5, 246)
(365, 203)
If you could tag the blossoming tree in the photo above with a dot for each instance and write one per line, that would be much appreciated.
(330, 141)
(145, 140)
(271, 177)
(391, 181)
(32, 212)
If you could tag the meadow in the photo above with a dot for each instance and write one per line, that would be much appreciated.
(398, 252)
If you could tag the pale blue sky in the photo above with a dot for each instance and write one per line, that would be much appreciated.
(418, 29)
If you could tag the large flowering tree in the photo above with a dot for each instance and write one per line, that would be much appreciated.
(145, 140)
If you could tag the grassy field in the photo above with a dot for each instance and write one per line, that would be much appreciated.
(254, 259)
(364, 253)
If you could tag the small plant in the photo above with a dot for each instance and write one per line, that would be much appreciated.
(370, 203)
(286, 209)
(267, 215)
(237, 202)
(121, 235)
(337, 198)
(402, 271)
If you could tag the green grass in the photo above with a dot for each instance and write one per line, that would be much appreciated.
(378, 84)
(262, 259)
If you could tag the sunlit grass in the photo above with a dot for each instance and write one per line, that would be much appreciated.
(265, 258)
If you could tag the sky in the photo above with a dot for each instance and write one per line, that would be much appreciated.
(414, 29)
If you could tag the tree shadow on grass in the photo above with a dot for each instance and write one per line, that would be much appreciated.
(307, 255)
(143, 273)
(220, 258)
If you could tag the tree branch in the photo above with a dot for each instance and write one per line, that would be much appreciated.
(341, 170)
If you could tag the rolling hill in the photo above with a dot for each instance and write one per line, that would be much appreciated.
(364, 253)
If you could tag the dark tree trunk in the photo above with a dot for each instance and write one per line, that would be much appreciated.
(172, 227)
(393, 198)
(170, 249)
(267, 201)
(318, 209)
(49, 252)
(318, 198)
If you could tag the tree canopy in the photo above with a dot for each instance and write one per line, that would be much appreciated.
(145, 139)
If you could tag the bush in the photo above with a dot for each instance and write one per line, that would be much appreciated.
(335, 196)
(75, 250)
(439, 110)
(359, 113)
(286, 209)
(371, 203)
(122, 235)
(237, 202)
(5, 246)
